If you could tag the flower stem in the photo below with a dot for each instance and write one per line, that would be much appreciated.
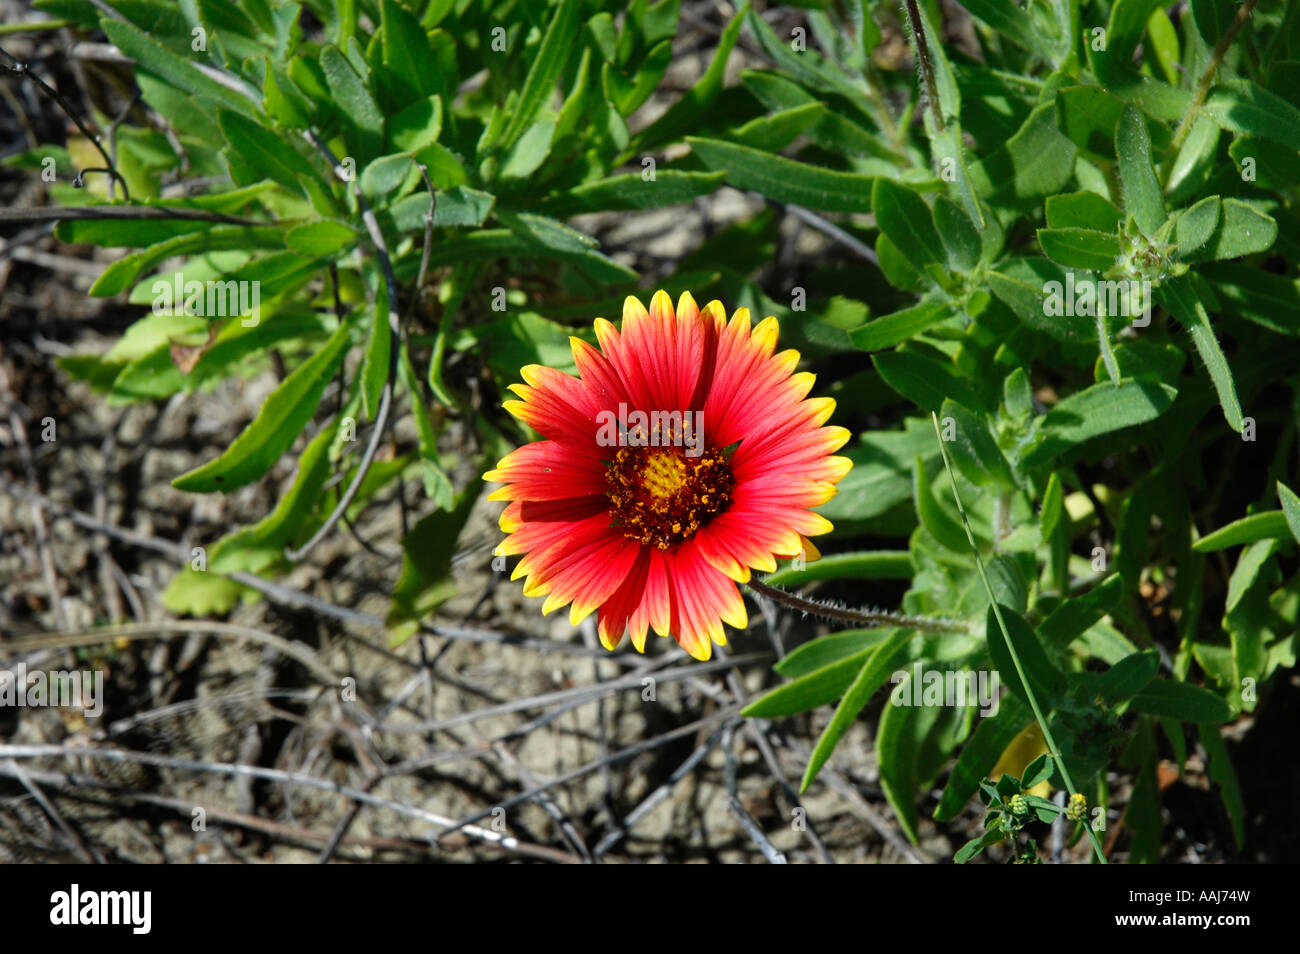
(924, 63)
(1203, 87)
(864, 618)
(1052, 747)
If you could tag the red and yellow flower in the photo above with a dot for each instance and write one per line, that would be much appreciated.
(652, 518)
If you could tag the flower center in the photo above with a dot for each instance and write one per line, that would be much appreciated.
(661, 497)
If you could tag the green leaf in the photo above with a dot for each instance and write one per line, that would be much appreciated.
(1128, 677)
(445, 170)
(875, 670)
(958, 235)
(323, 239)
(1009, 19)
(1242, 615)
(363, 115)
(1213, 18)
(254, 549)
(923, 379)
(1142, 195)
(425, 580)
(945, 529)
(1047, 682)
(836, 133)
(1081, 210)
(682, 115)
(268, 153)
(948, 155)
(1037, 161)
(1246, 573)
(1243, 230)
(890, 330)
(1080, 248)
(505, 243)
(1290, 508)
(832, 648)
(975, 846)
(156, 375)
(1097, 410)
(437, 485)
(974, 450)
(417, 126)
(1053, 506)
(1164, 44)
(1008, 582)
(1220, 769)
(387, 174)
(775, 132)
(857, 565)
(547, 64)
(1181, 700)
(944, 81)
(376, 365)
(460, 206)
(1272, 301)
(1180, 297)
(152, 57)
(1248, 108)
(903, 216)
(1195, 226)
(412, 67)
(1271, 524)
(1038, 771)
(129, 233)
(632, 192)
(809, 690)
(901, 736)
(275, 428)
(786, 180)
(1274, 165)
(627, 95)
(881, 478)
(1195, 161)
(1124, 29)
(1018, 395)
(1088, 115)
(898, 271)
(528, 152)
(201, 593)
(125, 272)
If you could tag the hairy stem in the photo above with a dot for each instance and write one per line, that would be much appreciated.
(924, 63)
(1207, 78)
(865, 618)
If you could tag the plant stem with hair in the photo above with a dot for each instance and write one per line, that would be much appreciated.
(1207, 78)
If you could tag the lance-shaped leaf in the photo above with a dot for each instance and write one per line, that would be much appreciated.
(285, 413)
(786, 180)
(1098, 410)
(1142, 196)
(1180, 296)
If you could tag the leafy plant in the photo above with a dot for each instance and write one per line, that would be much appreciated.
(392, 182)
(1053, 160)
